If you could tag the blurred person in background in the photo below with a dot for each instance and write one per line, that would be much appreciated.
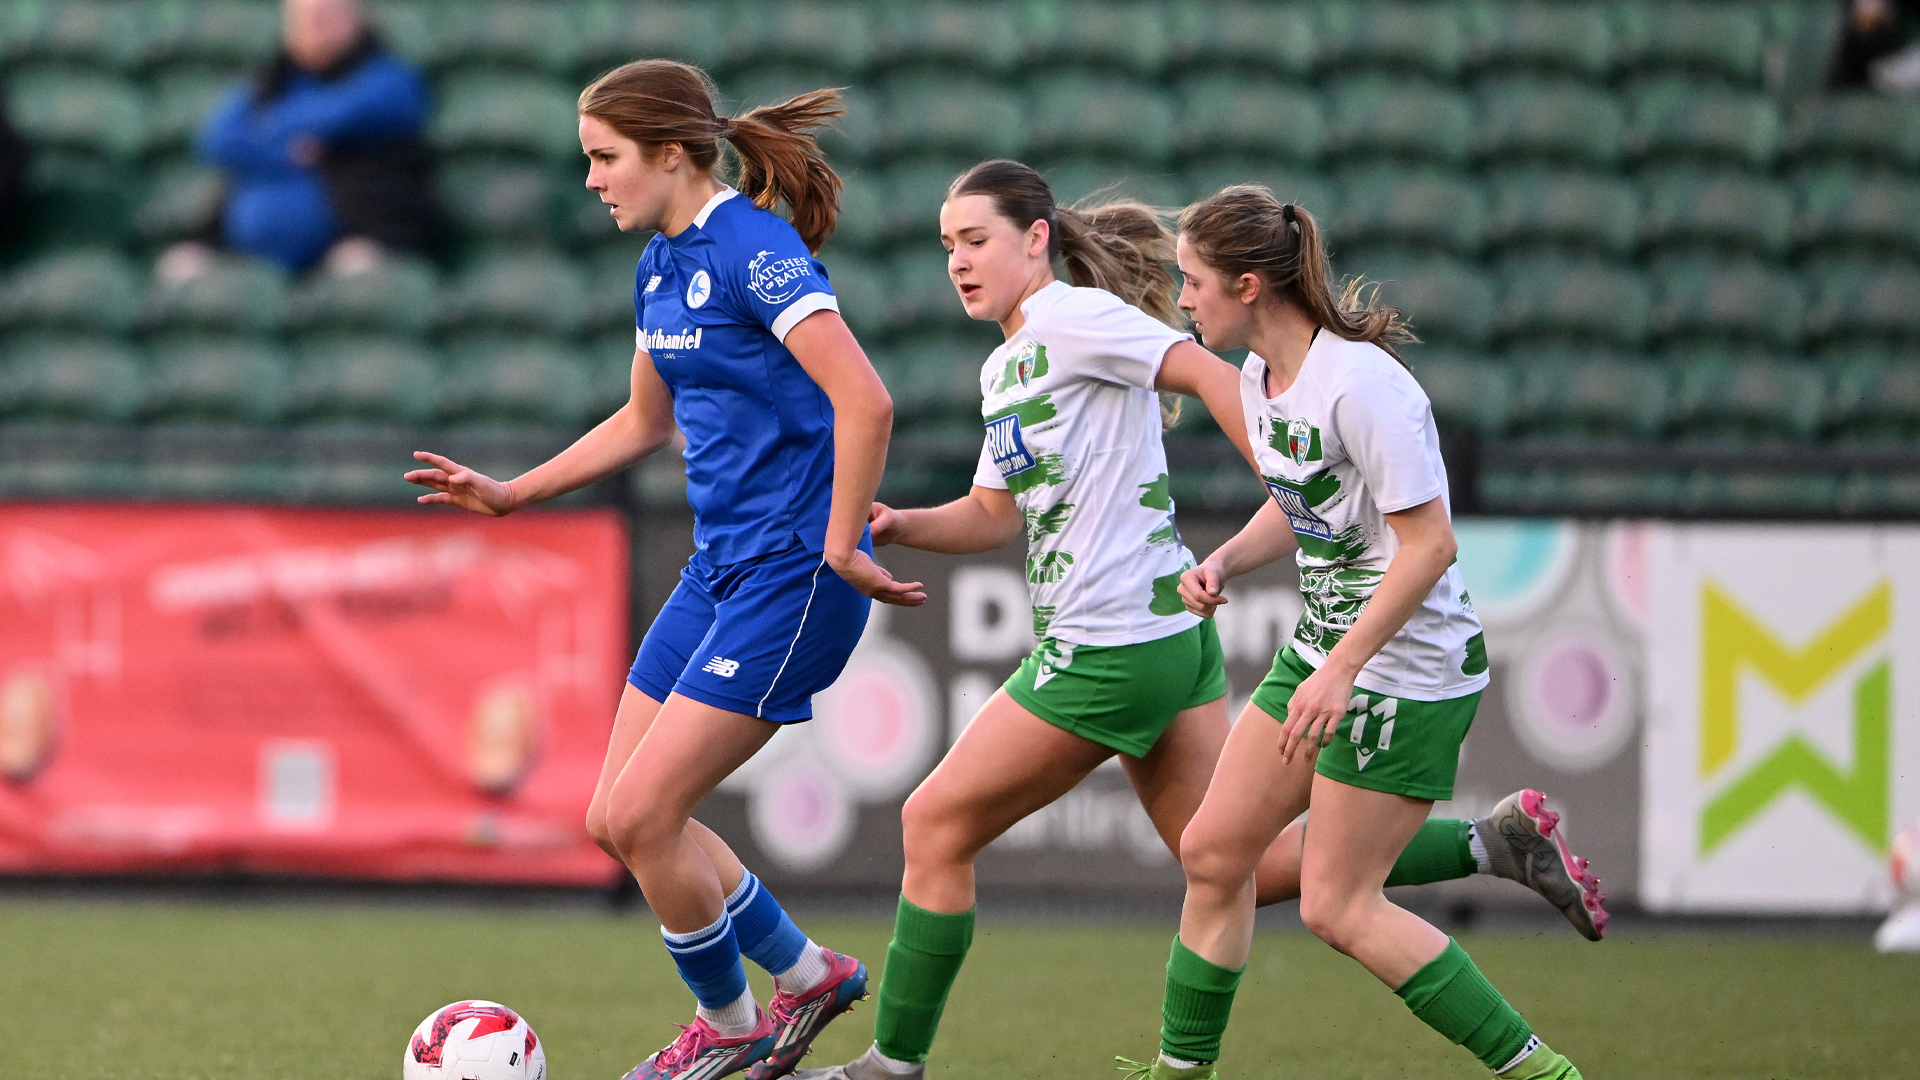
(1878, 47)
(321, 151)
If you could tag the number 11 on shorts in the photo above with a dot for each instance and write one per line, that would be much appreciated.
(1385, 709)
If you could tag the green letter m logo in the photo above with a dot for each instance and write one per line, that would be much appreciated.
(1731, 638)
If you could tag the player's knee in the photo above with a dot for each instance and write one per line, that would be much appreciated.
(636, 825)
(597, 829)
(1329, 918)
(928, 830)
(1208, 860)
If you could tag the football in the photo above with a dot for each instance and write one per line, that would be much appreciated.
(474, 1040)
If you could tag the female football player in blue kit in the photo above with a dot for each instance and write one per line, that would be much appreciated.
(741, 346)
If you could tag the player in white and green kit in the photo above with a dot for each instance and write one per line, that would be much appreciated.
(1381, 681)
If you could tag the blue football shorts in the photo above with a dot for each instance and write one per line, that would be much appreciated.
(760, 636)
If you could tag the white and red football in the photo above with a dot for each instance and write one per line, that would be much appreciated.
(474, 1040)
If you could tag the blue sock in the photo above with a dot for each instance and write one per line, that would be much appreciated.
(766, 936)
(709, 960)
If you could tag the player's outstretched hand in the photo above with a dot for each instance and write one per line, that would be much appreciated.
(456, 485)
(1200, 589)
(1313, 714)
(872, 579)
(886, 523)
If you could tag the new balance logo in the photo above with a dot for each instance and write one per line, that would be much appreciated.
(722, 667)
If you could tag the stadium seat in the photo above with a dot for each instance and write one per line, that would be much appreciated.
(481, 110)
(1759, 492)
(1547, 298)
(1234, 114)
(1749, 399)
(65, 458)
(919, 292)
(939, 376)
(229, 33)
(1862, 300)
(234, 294)
(1076, 114)
(1073, 181)
(1575, 210)
(609, 365)
(864, 290)
(1874, 493)
(1876, 399)
(1721, 40)
(525, 381)
(1541, 35)
(834, 36)
(399, 296)
(1598, 398)
(948, 115)
(915, 192)
(1275, 38)
(236, 379)
(529, 290)
(179, 104)
(95, 291)
(861, 133)
(1311, 190)
(616, 31)
(1700, 298)
(1721, 208)
(1540, 120)
(1865, 126)
(1673, 119)
(972, 37)
(1423, 38)
(1841, 208)
(1448, 302)
(1401, 118)
(1592, 489)
(493, 199)
(1476, 395)
(80, 378)
(87, 33)
(419, 31)
(1413, 207)
(365, 378)
(863, 210)
(181, 199)
(1128, 36)
(211, 460)
(511, 34)
(608, 302)
(99, 114)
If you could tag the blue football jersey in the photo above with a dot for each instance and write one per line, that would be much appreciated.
(714, 305)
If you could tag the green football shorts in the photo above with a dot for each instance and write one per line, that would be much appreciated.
(1395, 745)
(1122, 696)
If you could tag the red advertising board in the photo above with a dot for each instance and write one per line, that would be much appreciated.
(402, 695)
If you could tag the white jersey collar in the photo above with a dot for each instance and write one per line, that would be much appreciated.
(1048, 296)
(725, 193)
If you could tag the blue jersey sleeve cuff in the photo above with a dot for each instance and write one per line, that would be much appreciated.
(800, 309)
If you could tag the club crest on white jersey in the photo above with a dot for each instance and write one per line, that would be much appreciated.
(699, 289)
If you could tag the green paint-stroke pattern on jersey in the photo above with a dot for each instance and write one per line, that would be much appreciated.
(1332, 598)
(1042, 618)
(1046, 522)
(1280, 440)
(1156, 495)
(1010, 373)
(1166, 595)
(1047, 567)
(1164, 536)
(1476, 653)
(1032, 412)
(1318, 490)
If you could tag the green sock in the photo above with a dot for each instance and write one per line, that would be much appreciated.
(1199, 1000)
(1451, 996)
(1438, 852)
(922, 961)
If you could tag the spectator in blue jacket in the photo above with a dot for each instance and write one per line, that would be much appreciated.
(322, 150)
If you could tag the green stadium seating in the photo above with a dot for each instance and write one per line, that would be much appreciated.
(860, 133)
(1281, 39)
(179, 104)
(511, 34)
(80, 378)
(1446, 301)
(238, 379)
(1540, 120)
(616, 31)
(525, 289)
(76, 203)
(1842, 209)
(608, 301)
(1102, 35)
(972, 37)
(1476, 395)
(939, 376)
(64, 458)
(1541, 35)
(234, 294)
(494, 199)
(399, 296)
(863, 210)
(1674, 119)
(863, 287)
(1876, 399)
(100, 36)
(1759, 492)
(1574, 210)
(224, 32)
(526, 381)
(1547, 298)
(919, 292)
(915, 192)
(343, 377)
(1311, 190)
(1719, 208)
(211, 459)
(1373, 116)
(1594, 398)
(1856, 300)
(1099, 181)
(416, 30)
(1722, 40)
(96, 291)
(182, 199)
(1594, 489)
(834, 36)
(1874, 493)
(947, 115)
(1233, 114)
(609, 363)
(1081, 115)
(1751, 400)
(1703, 298)
(1424, 38)
(503, 111)
(1863, 126)
(1419, 208)
(101, 115)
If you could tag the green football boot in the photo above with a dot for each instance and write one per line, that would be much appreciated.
(1160, 1070)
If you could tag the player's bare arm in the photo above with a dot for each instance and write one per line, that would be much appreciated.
(1193, 371)
(1264, 539)
(984, 519)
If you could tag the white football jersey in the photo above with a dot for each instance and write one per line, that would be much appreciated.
(1073, 432)
(1351, 441)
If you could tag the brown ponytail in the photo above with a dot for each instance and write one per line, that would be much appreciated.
(655, 102)
(1244, 229)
